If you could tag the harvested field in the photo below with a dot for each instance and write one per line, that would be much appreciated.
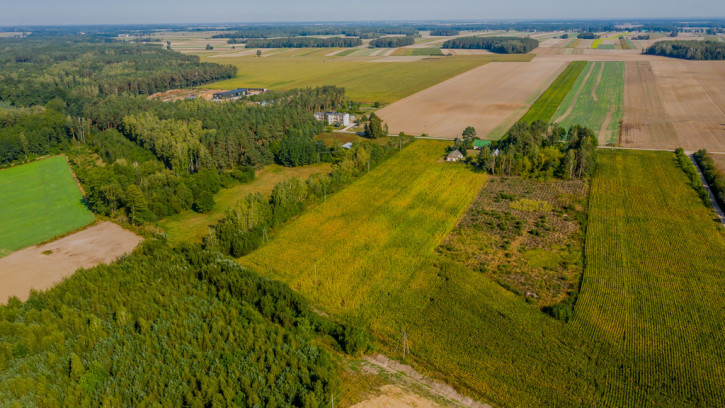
(719, 160)
(645, 122)
(693, 96)
(490, 98)
(40, 267)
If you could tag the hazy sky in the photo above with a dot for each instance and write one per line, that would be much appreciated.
(27, 12)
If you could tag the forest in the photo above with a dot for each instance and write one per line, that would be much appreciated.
(36, 71)
(587, 36)
(692, 50)
(304, 42)
(392, 42)
(500, 45)
(361, 31)
(209, 333)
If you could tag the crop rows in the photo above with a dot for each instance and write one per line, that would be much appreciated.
(545, 107)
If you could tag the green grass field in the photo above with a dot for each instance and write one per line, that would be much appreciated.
(39, 201)
(364, 80)
(417, 51)
(190, 226)
(646, 331)
(596, 101)
(606, 47)
(547, 104)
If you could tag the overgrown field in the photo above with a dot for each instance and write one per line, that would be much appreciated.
(39, 201)
(363, 79)
(526, 235)
(646, 330)
(596, 101)
(547, 104)
(190, 226)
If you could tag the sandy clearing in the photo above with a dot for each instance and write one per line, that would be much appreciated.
(645, 122)
(691, 92)
(392, 396)
(490, 98)
(29, 268)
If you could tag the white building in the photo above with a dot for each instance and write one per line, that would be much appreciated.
(454, 156)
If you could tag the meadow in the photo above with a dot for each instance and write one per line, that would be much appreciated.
(547, 104)
(40, 201)
(190, 226)
(367, 256)
(365, 79)
(596, 101)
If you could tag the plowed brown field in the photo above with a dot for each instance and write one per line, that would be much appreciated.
(692, 94)
(490, 98)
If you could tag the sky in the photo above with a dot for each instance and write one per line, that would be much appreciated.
(89, 12)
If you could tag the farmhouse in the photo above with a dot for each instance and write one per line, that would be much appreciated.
(479, 144)
(454, 156)
(235, 94)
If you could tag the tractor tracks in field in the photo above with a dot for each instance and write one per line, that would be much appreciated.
(576, 96)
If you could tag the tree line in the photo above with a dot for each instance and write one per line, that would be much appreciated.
(692, 50)
(304, 42)
(691, 172)
(207, 332)
(587, 35)
(361, 31)
(245, 226)
(501, 45)
(444, 32)
(713, 175)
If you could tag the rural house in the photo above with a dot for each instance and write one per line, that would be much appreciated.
(334, 118)
(454, 156)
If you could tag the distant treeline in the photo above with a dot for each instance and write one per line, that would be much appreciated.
(35, 71)
(392, 42)
(304, 42)
(692, 50)
(294, 31)
(713, 175)
(444, 32)
(501, 45)
(587, 36)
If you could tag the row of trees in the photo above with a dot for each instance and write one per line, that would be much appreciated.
(245, 226)
(587, 36)
(167, 324)
(392, 42)
(361, 31)
(686, 165)
(444, 32)
(537, 150)
(304, 42)
(713, 175)
(692, 50)
(501, 45)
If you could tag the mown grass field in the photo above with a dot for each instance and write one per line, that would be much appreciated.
(364, 80)
(547, 104)
(596, 101)
(190, 226)
(647, 329)
(39, 201)
(417, 51)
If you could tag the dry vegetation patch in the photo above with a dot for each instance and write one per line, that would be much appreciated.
(525, 235)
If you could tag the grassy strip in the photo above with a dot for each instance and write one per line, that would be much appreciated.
(418, 52)
(606, 47)
(547, 104)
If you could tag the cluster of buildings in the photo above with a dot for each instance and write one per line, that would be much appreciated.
(238, 93)
(334, 118)
(478, 144)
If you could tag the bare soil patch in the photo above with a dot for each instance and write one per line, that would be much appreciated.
(41, 266)
(490, 98)
(580, 54)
